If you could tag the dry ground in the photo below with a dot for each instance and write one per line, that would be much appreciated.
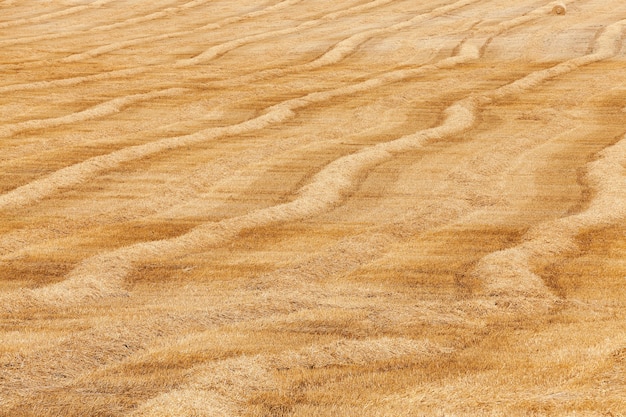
(312, 208)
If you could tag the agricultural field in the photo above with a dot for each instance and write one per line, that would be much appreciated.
(312, 208)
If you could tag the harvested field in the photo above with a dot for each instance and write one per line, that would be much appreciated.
(312, 208)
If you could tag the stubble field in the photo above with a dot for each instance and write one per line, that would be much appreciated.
(312, 208)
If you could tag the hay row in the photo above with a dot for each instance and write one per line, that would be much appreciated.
(509, 273)
(215, 51)
(185, 198)
(168, 11)
(342, 49)
(334, 55)
(155, 38)
(53, 15)
(66, 82)
(319, 62)
(104, 28)
(607, 45)
(93, 279)
(130, 71)
(74, 174)
(282, 295)
(104, 109)
(14, 242)
(219, 389)
(201, 334)
(103, 343)
(348, 46)
(541, 11)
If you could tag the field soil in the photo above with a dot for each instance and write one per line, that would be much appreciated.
(312, 208)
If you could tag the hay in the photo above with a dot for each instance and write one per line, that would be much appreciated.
(509, 273)
(101, 110)
(342, 49)
(102, 275)
(188, 402)
(72, 175)
(223, 48)
(98, 277)
(605, 47)
(356, 9)
(108, 27)
(279, 113)
(559, 9)
(66, 82)
(608, 43)
(327, 188)
(520, 20)
(350, 45)
(165, 13)
(312, 299)
(138, 41)
(50, 16)
(229, 383)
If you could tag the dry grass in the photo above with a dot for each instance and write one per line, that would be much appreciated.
(295, 208)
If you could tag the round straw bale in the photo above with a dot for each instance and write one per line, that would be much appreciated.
(559, 9)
